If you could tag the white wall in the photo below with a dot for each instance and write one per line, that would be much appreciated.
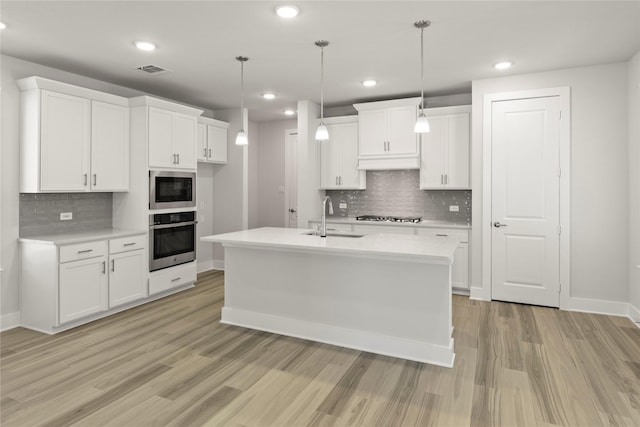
(204, 196)
(309, 197)
(271, 172)
(634, 186)
(599, 175)
(253, 174)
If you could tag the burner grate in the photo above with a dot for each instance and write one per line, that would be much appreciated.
(381, 218)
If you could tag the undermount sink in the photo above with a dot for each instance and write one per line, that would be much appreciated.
(334, 234)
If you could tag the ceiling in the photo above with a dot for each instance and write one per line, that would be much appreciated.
(199, 40)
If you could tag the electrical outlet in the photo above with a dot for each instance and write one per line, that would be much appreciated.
(343, 206)
(66, 216)
(453, 208)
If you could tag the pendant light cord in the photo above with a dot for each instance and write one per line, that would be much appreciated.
(422, 70)
(242, 94)
(321, 84)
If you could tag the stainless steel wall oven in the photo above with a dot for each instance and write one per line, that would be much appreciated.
(172, 239)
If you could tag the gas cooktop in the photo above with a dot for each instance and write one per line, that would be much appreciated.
(389, 218)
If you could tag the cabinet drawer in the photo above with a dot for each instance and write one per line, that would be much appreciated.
(172, 278)
(463, 235)
(83, 251)
(129, 243)
(375, 229)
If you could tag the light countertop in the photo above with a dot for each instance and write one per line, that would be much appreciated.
(414, 248)
(428, 223)
(81, 236)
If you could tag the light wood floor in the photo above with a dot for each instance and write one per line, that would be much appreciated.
(171, 363)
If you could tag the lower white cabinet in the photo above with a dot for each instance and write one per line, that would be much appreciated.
(174, 277)
(64, 285)
(82, 288)
(460, 267)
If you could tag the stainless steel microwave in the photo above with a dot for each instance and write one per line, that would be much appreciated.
(172, 189)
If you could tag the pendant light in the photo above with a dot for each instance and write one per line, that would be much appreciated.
(322, 134)
(242, 138)
(422, 124)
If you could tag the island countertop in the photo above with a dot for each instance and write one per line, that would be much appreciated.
(414, 248)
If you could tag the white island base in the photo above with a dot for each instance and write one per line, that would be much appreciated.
(350, 292)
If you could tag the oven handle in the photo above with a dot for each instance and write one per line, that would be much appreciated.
(177, 224)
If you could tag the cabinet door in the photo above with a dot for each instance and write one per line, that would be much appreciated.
(217, 142)
(161, 151)
(184, 140)
(330, 158)
(460, 267)
(349, 177)
(82, 288)
(109, 147)
(127, 281)
(64, 142)
(202, 151)
(433, 154)
(373, 132)
(457, 155)
(400, 135)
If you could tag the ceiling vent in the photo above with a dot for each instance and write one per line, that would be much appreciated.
(153, 69)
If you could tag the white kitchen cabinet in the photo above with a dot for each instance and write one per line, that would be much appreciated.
(171, 278)
(67, 284)
(72, 139)
(172, 139)
(444, 161)
(460, 267)
(339, 156)
(83, 288)
(212, 141)
(387, 139)
(127, 268)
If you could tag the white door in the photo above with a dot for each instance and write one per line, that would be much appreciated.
(525, 208)
(373, 132)
(291, 179)
(127, 280)
(161, 152)
(109, 147)
(184, 140)
(83, 288)
(401, 139)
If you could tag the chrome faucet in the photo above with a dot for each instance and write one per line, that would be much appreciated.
(323, 230)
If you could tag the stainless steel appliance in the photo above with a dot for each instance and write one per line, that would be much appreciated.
(172, 239)
(382, 218)
(172, 190)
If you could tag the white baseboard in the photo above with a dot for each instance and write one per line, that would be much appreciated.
(479, 293)
(9, 321)
(344, 337)
(634, 314)
(588, 305)
(218, 264)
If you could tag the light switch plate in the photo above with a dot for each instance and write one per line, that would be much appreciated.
(66, 216)
(454, 208)
(343, 205)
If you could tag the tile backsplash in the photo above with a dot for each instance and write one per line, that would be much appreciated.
(40, 213)
(397, 193)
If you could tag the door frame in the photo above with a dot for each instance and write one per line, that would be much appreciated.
(565, 183)
(288, 133)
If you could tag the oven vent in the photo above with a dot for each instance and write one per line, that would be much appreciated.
(153, 69)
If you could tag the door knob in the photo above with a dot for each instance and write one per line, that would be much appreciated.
(498, 225)
(292, 210)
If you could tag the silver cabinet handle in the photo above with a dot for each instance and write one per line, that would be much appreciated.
(441, 179)
(388, 145)
(86, 251)
(104, 267)
(498, 225)
(442, 235)
(178, 157)
(113, 265)
(336, 180)
(95, 179)
(174, 158)
(340, 180)
(85, 179)
(209, 152)
(176, 279)
(446, 178)
(205, 152)
(129, 244)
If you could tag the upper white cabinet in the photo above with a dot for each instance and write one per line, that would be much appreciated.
(212, 141)
(387, 139)
(339, 156)
(445, 150)
(168, 129)
(72, 138)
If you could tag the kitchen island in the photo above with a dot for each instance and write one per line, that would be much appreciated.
(382, 293)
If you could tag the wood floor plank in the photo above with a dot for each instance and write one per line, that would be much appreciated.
(172, 362)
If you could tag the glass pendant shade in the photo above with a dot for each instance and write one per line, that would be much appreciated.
(322, 133)
(422, 124)
(241, 138)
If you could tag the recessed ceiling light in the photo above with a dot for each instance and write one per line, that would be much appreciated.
(289, 112)
(502, 65)
(3, 25)
(146, 46)
(287, 11)
(269, 95)
(369, 83)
